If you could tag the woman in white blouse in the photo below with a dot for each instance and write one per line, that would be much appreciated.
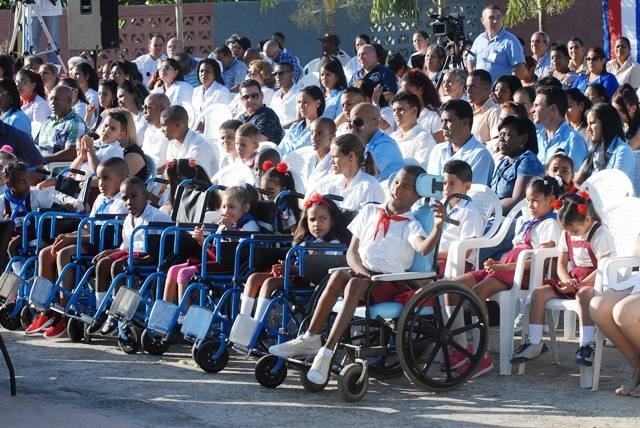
(211, 91)
(421, 86)
(172, 83)
(353, 178)
(34, 104)
(131, 96)
(87, 80)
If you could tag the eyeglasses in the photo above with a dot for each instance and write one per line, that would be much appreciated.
(253, 96)
(358, 122)
(22, 82)
(280, 73)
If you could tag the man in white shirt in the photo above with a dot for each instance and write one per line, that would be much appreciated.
(485, 111)
(414, 142)
(453, 83)
(154, 143)
(148, 63)
(185, 143)
(623, 66)
(284, 101)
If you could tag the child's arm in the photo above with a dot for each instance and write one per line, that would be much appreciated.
(563, 272)
(425, 245)
(354, 261)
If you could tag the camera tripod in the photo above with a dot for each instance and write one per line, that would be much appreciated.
(25, 10)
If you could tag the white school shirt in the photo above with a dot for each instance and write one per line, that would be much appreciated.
(471, 225)
(215, 94)
(430, 121)
(250, 226)
(150, 214)
(362, 189)
(392, 253)
(415, 144)
(93, 98)
(38, 111)
(285, 105)
(314, 171)
(105, 205)
(178, 92)
(37, 198)
(154, 144)
(104, 152)
(197, 148)
(147, 65)
(227, 160)
(548, 230)
(602, 244)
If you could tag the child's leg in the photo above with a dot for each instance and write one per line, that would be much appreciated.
(171, 283)
(251, 289)
(62, 259)
(450, 303)
(47, 264)
(488, 287)
(353, 293)
(184, 276)
(103, 274)
(329, 297)
(625, 314)
(587, 330)
(14, 246)
(270, 285)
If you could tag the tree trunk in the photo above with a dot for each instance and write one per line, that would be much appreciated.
(541, 20)
(330, 7)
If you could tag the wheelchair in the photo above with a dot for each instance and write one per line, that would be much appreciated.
(390, 338)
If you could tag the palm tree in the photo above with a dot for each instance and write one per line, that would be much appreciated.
(520, 10)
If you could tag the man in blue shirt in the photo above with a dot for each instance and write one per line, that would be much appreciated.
(554, 133)
(365, 123)
(496, 50)
(540, 44)
(233, 71)
(23, 146)
(457, 120)
(371, 69)
(272, 50)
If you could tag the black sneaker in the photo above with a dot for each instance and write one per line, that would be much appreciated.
(528, 351)
(584, 355)
(109, 326)
(97, 324)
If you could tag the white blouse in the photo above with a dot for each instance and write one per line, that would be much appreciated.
(363, 188)
(38, 111)
(177, 93)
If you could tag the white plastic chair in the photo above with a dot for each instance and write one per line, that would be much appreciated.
(488, 203)
(267, 145)
(312, 66)
(298, 158)
(311, 79)
(234, 175)
(607, 187)
(190, 112)
(636, 174)
(506, 299)
(214, 116)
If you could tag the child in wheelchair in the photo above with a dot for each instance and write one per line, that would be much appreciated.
(111, 262)
(321, 222)
(585, 241)
(497, 275)
(53, 258)
(385, 239)
(457, 176)
(276, 179)
(236, 216)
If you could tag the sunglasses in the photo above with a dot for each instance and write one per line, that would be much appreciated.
(356, 123)
(280, 73)
(253, 96)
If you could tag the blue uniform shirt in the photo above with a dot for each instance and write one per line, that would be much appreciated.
(235, 74)
(333, 104)
(566, 140)
(386, 154)
(606, 79)
(18, 119)
(497, 55)
(380, 74)
(619, 156)
(504, 179)
(473, 152)
(298, 135)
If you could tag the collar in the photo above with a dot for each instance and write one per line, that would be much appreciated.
(467, 144)
(498, 35)
(614, 145)
(415, 129)
(488, 104)
(246, 218)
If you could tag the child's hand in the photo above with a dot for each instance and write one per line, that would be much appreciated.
(277, 269)
(357, 274)
(567, 287)
(198, 234)
(375, 96)
(226, 222)
(438, 213)
(488, 265)
(60, 242)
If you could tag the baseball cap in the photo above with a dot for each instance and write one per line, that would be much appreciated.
(330, 38)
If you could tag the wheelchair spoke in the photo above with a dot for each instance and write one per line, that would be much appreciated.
(454, 314)
(430, 358)
(466, 328)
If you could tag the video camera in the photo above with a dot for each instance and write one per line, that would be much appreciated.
(430, 186)
(450, 27)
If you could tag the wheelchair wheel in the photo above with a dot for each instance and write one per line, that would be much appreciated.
(266, 373)
(130, 343)
(310, 386)
(153, 345)
(75, 330)
(353, 383)
(26, 316)
(205, 356)
(424, 334)
(8, 322)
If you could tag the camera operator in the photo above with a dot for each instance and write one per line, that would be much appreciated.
(496, 50)
(51, 11)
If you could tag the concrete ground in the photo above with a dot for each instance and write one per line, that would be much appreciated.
(76, 385)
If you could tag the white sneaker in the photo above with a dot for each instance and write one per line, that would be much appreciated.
(517, 323)
(319, 371)
(298, 347)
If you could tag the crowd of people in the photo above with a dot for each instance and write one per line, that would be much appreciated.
(528, 127)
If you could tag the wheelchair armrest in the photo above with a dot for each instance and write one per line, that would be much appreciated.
(109, 216)
(323, 246)
(157, 180)
(270, 237)
(403, 276)
(610, 266)
(159, 224)
(336, 269)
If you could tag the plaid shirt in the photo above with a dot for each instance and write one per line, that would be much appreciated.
(60, 133)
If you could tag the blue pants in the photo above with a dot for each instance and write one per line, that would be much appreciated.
(53, 24)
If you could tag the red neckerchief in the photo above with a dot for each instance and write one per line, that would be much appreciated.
(24, 101)
(384, 221)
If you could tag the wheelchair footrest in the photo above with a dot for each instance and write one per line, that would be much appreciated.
(57, 308)
(196, 323)
(162, 316)
(41, 293)
(86, 319)
(9, 285)
(243, 330)
(125, 304)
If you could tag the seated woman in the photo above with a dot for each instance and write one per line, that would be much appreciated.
(50, 77)
(353, 175)
(171, 83)
(107, 98)
(596, 72)
(80, 102)
(310, 107)
(333, 82)
(504, 88)
(608, 148)
(560, 66)
(211, 90)
(419, 85)
(87, 80)
(625, 100)
(33, 98)
(576, 115)
(131, 96)
(615, 313)
(10, 112)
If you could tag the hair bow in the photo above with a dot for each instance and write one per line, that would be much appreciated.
(282, 168)
(316, 198)
(556, 204)
(584, 195)
(267, 165)
(582, 209)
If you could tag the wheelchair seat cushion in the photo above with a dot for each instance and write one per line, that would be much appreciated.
(386, 310)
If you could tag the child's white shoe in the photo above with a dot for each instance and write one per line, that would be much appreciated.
(300, 346)
(319, 371)
(242, 331)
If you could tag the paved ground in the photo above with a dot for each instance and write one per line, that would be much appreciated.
(66, 384)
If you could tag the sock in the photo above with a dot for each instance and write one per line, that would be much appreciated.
(587, 334)
(180, 319)
(261, 308)
(326, 352)
(461, 339)
(100, 295)
(246, 305)
(310, 337)
(535, 333)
